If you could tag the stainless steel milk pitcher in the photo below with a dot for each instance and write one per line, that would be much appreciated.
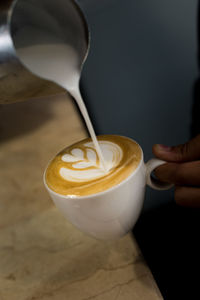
(51, 19)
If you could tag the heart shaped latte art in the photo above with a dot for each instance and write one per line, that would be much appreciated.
(84, 163)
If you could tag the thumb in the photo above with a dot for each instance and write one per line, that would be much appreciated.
(185, 152)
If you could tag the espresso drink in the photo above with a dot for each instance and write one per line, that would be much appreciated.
(76, 171)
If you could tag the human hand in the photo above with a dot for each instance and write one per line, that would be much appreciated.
(182, 169)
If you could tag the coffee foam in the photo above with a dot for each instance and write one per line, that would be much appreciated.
(76, 171)
(82, 164)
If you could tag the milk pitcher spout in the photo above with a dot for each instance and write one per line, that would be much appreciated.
(30, 23)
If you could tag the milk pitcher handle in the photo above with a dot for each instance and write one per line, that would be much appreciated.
(154, 183)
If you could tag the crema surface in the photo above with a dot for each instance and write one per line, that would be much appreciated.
(77, 171)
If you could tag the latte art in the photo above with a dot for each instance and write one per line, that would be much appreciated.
(83, 163)
(77, 170)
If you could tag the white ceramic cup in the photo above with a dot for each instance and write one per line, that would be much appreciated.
(112, 213)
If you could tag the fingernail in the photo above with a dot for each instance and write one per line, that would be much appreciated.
(164, 148)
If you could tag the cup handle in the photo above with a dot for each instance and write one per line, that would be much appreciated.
(152, 181)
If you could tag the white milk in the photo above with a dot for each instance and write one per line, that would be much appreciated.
(79, 170)
(60, 63)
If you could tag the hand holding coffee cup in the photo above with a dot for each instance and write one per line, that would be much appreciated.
(105, 205)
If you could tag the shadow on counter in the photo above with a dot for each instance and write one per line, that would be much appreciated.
(21, 118)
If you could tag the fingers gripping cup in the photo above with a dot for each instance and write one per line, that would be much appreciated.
(105, 205)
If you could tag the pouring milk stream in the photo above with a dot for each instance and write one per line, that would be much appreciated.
(59, 62)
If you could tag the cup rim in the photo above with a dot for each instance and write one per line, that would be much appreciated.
(74, 197)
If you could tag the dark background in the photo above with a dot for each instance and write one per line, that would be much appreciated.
(141, 80)
(139, 77)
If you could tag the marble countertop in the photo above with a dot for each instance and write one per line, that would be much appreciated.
(42, 256)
